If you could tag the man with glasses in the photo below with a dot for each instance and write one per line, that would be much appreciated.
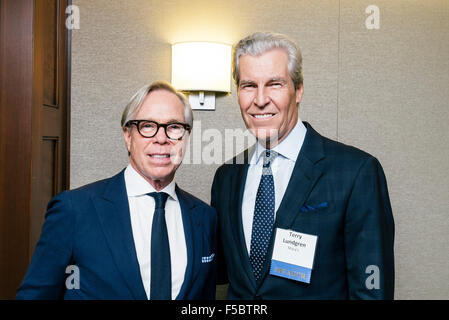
(136, 235)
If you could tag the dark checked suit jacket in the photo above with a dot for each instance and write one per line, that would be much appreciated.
(90, 227)
(336, 192)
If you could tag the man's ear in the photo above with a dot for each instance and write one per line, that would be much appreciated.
(299, 93)
(127, 136)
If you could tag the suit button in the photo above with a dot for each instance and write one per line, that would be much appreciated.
(257, 298)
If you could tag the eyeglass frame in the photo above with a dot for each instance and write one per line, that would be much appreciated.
(186, 127)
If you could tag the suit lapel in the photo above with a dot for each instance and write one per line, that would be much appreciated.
(238, 183)
(191, 222)
(304, 177)
(113, 212)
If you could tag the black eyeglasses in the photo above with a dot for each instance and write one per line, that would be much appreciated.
(148, 129)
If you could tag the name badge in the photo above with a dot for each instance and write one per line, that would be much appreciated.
(293, 255)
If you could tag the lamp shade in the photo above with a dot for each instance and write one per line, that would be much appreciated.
(201, 66)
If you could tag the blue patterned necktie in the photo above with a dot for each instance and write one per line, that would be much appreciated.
(263, 220)
(160, 286)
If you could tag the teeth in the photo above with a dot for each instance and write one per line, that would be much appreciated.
(160, 156)
(262, 116)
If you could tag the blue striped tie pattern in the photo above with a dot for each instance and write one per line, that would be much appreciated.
(160, 285)
(263, 220)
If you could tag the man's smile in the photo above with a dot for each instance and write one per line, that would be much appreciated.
(263, 116)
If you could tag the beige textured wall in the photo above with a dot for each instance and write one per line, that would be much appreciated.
(385, 91)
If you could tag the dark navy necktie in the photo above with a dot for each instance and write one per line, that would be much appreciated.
(263, 220)
(160, 288)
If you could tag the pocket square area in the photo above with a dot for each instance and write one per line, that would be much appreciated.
(309, 207)
(208, 258)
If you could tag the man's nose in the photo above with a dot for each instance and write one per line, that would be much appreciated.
(262, 98)
(160, 136)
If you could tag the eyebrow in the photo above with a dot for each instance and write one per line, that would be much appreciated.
(277, 79)
(165, 122)
(244, 82)
(174, 121)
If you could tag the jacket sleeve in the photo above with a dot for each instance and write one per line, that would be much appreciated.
(222, 277)
(46, 274)
(369, 235)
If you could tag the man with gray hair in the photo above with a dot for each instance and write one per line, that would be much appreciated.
(300, 216)
(136, 235)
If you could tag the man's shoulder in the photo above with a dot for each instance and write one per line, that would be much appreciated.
(94, 188)
(227, 169)
(331, 149)
(347, 159)
(236, 162)
(338, 149)
(195, 201)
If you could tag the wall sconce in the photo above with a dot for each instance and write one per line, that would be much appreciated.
(201, 68)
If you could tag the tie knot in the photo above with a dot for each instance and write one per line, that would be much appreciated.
(268, 157)
(159, 198)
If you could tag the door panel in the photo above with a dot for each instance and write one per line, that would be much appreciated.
(34, 126)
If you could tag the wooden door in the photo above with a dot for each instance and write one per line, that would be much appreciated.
(50, 117)
(34, 132)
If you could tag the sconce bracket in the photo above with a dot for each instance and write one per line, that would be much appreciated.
(202, 100)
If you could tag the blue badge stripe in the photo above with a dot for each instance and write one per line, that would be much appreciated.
(290, 271)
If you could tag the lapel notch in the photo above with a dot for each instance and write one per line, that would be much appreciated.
(304, 176)
(113, 212)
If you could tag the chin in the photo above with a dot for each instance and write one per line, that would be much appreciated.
(162, 176)
(266, 140)
(156, 174)
(264, 133)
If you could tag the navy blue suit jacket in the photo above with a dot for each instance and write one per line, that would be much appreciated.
(90, 228)
(336, 192)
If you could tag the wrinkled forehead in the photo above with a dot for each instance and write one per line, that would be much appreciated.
(272, 63)
(161, 105)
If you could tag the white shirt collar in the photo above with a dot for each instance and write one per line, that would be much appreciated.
(288, 148)
(137, 186)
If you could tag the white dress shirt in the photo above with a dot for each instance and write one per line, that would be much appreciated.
(281, 167)
(141, 207)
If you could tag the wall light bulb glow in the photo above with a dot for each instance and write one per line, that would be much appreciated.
(201, 66)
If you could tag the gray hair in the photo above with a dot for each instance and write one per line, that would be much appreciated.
(261, 42)
(137, 99)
